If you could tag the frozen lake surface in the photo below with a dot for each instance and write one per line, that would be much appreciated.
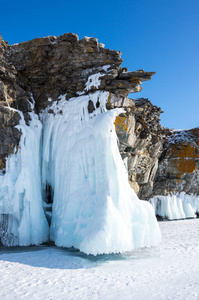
(169, 271)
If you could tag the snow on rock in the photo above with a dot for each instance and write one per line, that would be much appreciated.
(106, 67)
(93, 81)
(22, 219)
(174, 207)
(94, 208)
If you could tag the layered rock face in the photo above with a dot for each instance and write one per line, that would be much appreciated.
(178, 169)
(53, 66)
(159, 161)
(141, 143)
(49, 67)
(9, 92)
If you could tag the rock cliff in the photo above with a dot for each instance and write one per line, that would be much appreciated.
(49, 67)
(159, 161)
(178, 168)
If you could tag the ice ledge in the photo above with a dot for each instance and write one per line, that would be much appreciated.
(176, 206)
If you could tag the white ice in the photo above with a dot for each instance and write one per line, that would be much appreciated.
(94, 208)
(174, 207)
(22, 219)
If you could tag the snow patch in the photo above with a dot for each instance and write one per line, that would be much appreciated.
(106, 67)
(80, 93)
(101, 45)
(87, 39)
(93, 81)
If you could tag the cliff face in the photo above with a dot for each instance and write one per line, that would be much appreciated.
(141, 142)
(49, 67)
(9, 91)
(178, 169)
(159, 161)
(53, 66)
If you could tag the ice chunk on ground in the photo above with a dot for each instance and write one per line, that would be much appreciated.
(94, 207)
(174, 207)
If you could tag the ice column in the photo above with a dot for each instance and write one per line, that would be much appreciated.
(22, 219)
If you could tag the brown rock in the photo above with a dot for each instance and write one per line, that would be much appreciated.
(159, 161)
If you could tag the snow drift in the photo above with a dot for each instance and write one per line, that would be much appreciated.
(94, 208)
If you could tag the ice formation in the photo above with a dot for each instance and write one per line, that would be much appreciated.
(174, 207)
(93, 206)
(22, 219)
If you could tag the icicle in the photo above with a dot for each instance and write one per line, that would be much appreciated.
(174, 207)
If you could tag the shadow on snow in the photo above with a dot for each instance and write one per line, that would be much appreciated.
(68, 258)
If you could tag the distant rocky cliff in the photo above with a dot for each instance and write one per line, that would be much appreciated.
(178, 167)
(159, 161)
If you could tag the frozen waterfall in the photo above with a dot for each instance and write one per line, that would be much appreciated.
(22, 219)
(93, 206)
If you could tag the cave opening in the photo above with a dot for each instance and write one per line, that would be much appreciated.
(48, 195)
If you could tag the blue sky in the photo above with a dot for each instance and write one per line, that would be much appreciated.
(154, 35)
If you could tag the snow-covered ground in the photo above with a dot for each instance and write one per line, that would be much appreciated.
(169, 271)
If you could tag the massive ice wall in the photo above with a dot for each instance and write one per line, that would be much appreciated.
(94, 208)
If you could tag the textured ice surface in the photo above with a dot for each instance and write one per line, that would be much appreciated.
(75, 153)
(22, 219)
(94, 208)
(176, 207)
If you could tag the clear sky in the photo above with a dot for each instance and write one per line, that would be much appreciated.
(154, 35)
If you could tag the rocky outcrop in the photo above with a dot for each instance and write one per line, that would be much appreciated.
(53, 66)
(11, 95)
(178, 168)
(49, 67)
(176, 190)
(159, 161)
(141, 141)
